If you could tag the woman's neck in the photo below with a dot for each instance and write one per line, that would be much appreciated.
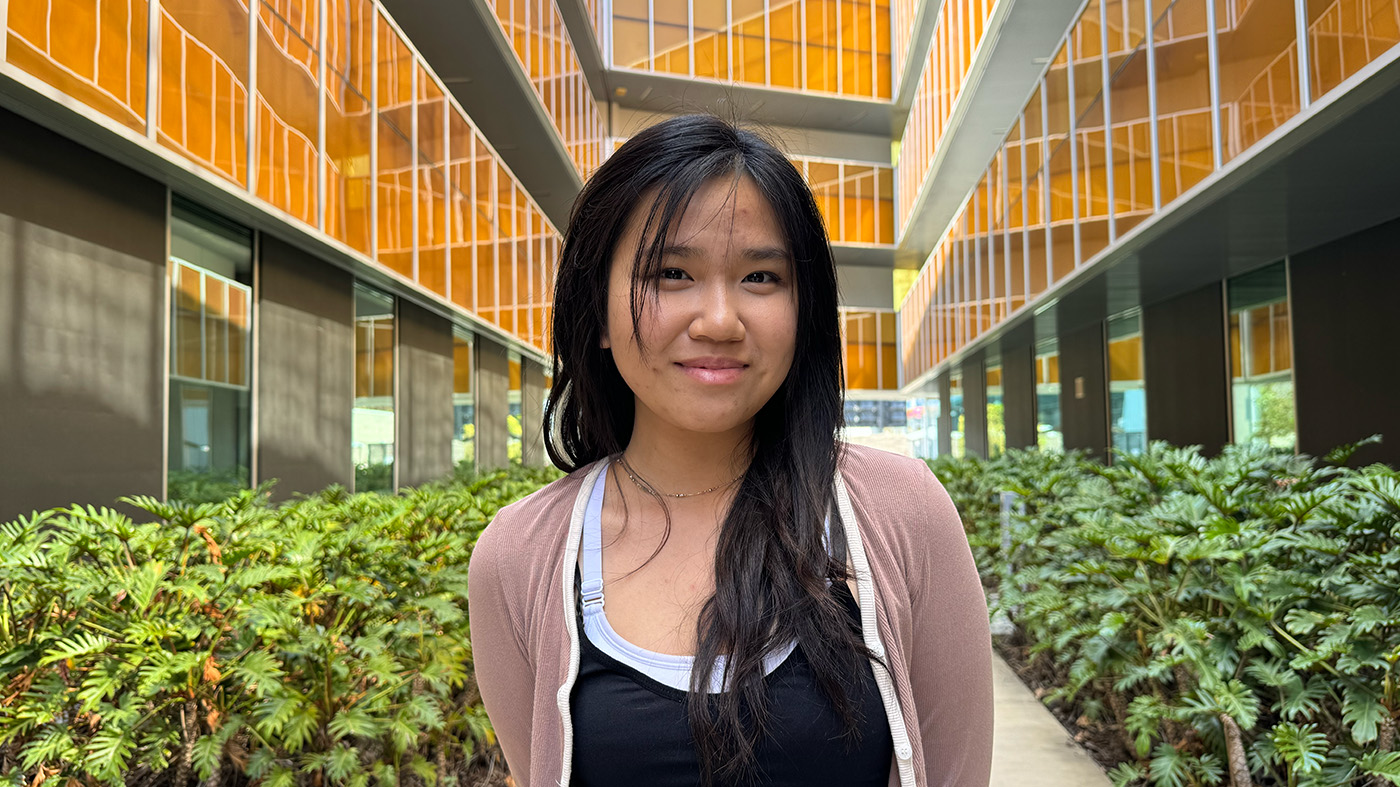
(681, 462)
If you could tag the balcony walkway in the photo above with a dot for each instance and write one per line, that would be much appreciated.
(1030, 748)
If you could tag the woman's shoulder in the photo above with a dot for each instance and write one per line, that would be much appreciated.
(531, 531)
(900, 500)
(873, 473)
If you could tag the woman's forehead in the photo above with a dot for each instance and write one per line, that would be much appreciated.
(719, 206)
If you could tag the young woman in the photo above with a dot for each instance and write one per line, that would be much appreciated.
(720, 592)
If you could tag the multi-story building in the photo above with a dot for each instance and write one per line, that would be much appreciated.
(314, 240)
(1153, 220)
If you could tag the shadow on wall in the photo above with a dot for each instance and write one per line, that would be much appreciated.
(80, 370)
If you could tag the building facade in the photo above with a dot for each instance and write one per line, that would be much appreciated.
(314, 240)
(1170, 227)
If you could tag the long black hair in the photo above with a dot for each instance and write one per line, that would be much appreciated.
(772, 564)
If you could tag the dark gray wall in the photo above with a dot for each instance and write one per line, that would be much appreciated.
(82, 320)
(306, 366)
(1018, 395)
(1183, 348)
(974, 380)
(492, 403)
(1345, 332)
(1084, 390)
(424, 409)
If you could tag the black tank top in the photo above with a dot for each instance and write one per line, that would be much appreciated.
(631, 730)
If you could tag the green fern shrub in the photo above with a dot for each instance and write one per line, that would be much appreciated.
(1239, 615)
(323, 641)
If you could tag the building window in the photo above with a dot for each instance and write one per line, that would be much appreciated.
(958, 437)
(513, 429)
(922, 425)
(211, 267)
(1261, 358)
(372, 421)
(463, 404)
(1127, 390)
(1048, 434)
(996, 410)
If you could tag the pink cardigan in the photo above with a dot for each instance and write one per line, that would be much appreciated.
(910, 554)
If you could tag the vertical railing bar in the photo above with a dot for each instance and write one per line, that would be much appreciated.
(447, 211)
(1071, 49)
(1006, 229)
(767, 44)
(690, 31)
(1025, 216)
(895, 69)
(374, 132)
(1107, 121)
(1213, 51)
(841, 203)
(250, 127)
(475, 242)
(413, 165)
(1300, 16)
(651, 35)
(729, 37)
(1153, 142)
(801, 44)
(840, 66)
(321, 157)
(1045, 197)
(152, 62)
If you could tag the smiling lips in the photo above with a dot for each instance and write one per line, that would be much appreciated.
(714, 370)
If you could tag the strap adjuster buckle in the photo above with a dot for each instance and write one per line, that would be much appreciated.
(592, 592)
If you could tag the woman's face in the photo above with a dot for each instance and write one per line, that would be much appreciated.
(718, 338)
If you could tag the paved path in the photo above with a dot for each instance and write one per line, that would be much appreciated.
(1030, 748)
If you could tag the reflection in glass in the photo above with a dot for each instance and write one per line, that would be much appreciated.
(54, 40)
(1261, 358)
(372, 421)
(513, 427)
(1345, 35)
(955, 415)
(1258, 52)
(1048, 432)
(463, 404)
(1127, 390)
(349, 121)
(996, 411)
(921, 425)
(396, 167)
(287, 117)
(211, 265)
(204, 83)
(1184, 125)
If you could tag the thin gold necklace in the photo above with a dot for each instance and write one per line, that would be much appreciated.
(646, 486)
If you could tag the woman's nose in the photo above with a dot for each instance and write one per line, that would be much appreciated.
(717, 317)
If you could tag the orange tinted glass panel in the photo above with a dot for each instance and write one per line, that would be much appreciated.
(93, 52)
(203, 99)
(288, 96)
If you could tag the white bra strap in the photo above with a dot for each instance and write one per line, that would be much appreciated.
(591, 587)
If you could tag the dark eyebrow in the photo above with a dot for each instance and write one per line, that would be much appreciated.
(764, 253)
(757, 254)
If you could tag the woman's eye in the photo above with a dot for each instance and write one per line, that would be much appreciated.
(761, 277)
(675, 274)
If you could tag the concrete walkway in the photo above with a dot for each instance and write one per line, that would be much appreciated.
(1030, 748)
